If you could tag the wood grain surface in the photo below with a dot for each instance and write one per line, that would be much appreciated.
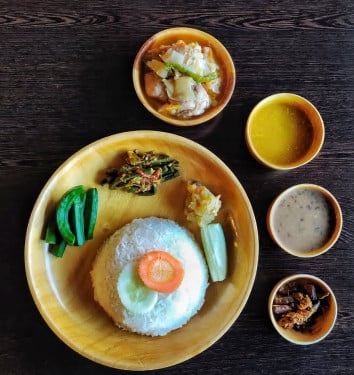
(65, 81)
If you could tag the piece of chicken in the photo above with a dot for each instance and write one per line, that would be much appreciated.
(154, 87)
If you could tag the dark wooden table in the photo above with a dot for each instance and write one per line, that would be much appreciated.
(65, 81)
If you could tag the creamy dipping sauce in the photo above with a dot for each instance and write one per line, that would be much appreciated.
(281, 133)
(303, 220)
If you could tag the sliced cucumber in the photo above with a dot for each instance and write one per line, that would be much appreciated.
(214, 245)
(134, 295)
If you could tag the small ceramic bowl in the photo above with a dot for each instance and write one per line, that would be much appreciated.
(305, 220)
(321, 322)
(284, 131)
(172, 35)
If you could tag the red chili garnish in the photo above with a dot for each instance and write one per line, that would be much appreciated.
(153, 176)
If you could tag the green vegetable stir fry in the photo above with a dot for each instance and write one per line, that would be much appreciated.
(142, 172)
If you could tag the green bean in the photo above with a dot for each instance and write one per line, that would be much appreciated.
(142, 172)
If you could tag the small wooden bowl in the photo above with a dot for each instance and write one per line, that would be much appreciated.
(284, 131)
(294, 247)
(323, 324)
(187, 34)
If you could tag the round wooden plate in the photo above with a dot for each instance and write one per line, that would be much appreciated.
(61, 287)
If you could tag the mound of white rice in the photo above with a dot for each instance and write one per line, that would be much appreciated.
(130, 242)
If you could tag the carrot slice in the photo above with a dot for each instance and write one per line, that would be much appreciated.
(160, 271)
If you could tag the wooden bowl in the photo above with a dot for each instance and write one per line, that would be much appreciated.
(324, 322)
(187, 34)
(284, 131)
(62, 289)
(302, 221)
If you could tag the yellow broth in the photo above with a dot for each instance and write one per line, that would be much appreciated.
(281, 133)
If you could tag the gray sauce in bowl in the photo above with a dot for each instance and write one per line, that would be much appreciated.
(303, 220)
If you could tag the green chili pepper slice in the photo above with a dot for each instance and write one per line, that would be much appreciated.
(51, 231)
(90, 212)
(62, 213)
(59, 248)
(77, 213)
(196, 77)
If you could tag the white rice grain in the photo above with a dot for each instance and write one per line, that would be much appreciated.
(130, 242)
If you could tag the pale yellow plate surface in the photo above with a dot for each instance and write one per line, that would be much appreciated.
(61, 287)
